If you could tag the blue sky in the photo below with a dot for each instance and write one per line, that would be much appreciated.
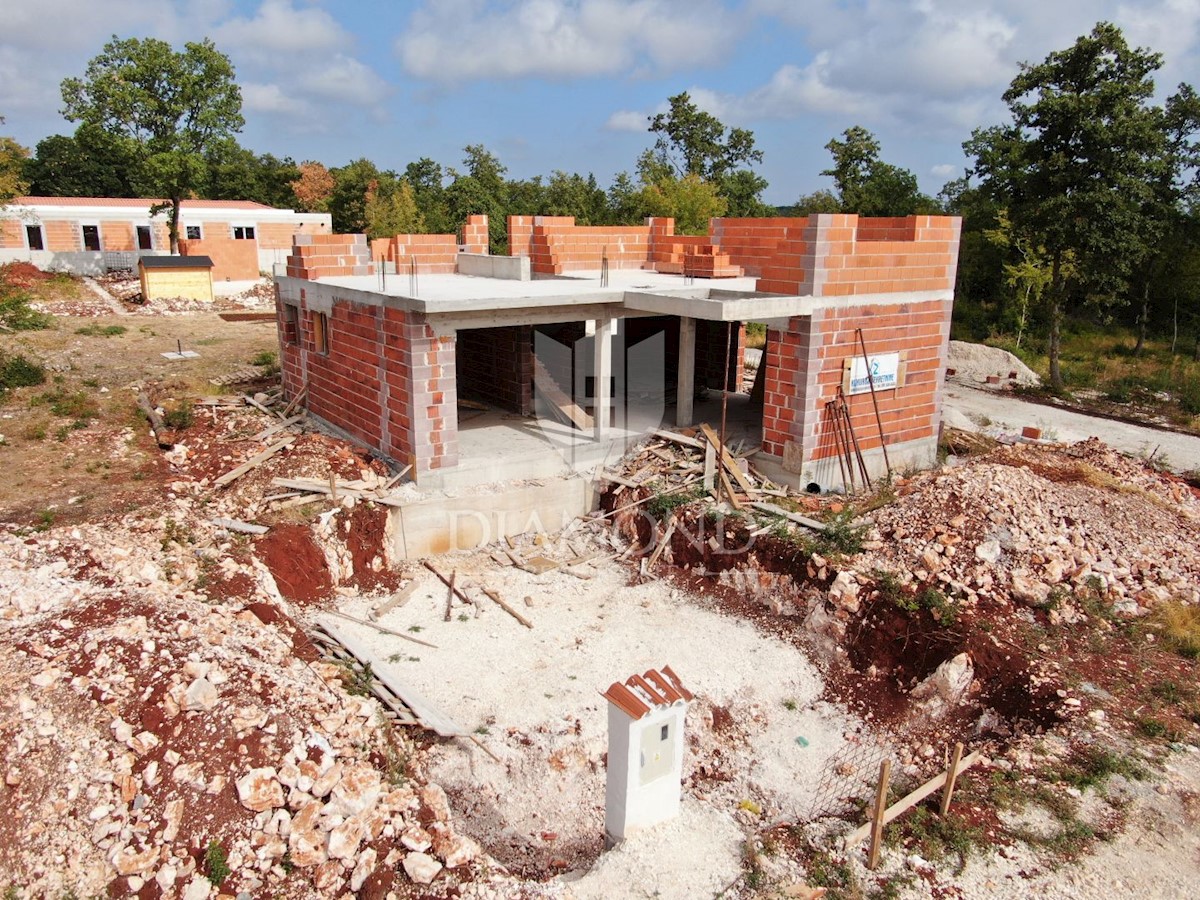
(567, 84)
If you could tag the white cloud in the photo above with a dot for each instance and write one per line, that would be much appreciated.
(463, 40)
(627, 120)
(945, 170)
(344, 79)
(271, 99)
(280, 27)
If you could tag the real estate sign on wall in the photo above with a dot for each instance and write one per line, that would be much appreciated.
(885, 372)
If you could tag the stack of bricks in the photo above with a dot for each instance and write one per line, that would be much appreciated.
(329, 255)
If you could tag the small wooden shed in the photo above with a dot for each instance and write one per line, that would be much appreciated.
(167, 277)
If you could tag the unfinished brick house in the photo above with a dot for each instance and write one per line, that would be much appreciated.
(461, 364)
(86, 235)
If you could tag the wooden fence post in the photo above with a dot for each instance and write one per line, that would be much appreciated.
(951, 777)
(881, 795)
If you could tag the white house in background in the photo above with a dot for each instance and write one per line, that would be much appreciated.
(87, 235)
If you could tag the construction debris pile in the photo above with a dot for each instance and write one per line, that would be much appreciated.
(1036, 525)
(152, 738)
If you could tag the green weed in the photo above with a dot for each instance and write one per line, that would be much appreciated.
(216, 864)
(95, 330)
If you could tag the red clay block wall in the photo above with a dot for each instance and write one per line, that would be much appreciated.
(329, 255)
(842, 255)
(432, 254)
(233, 260)
(805, 367)
(388, 379)
(278, 235)
(495, 365)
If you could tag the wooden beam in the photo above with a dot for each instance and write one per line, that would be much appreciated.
(790, 516)
(380, 628)
(253, 462)
(728, 461)
(157, 426)
(951, 777)
(506, 607)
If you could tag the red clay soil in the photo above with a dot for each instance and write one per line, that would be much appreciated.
(366, 539)
(297, 563)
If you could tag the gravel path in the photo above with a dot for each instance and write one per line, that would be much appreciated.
(992, 412)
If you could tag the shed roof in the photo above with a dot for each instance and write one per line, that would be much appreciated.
(176, 262)
(642, 693)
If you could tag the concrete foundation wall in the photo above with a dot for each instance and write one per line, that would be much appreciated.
(445, 524)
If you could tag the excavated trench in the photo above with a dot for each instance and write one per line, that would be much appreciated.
(890, 647)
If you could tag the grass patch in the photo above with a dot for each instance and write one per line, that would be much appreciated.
(1093, 766)
(15, 312)
(216, 864)
(77, 405)
(1178, 626)
(663, 503)
(841, 536)
(936, 837)
(179, 417)
(94, 330)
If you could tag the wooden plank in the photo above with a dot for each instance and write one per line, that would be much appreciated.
(380, 628)
(239, 526)
(662, 544)
(399, 598)
(729, 492)
(906, 803)
(506, 607)
(550, 390)
(677, 438)
(391, 482)
(618, 479)
(275, 429)
(449, 582)
(250, 400)
(254, 462)
(431, 717)
(881, 792)
(710, 467)
(728, 461)
(790, 516)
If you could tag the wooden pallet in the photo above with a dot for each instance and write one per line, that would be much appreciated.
(403, 705)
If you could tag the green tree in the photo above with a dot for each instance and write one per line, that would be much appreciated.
(391, 208)
(174, 105)
(822, 201)
(235, 173)
(693, 142)
(690, 200)
(12, 164)
(347, 202)
(1074, 167)
(480, 189)
(869, 186)
(625, 206)
(90, 163)
(429, 190)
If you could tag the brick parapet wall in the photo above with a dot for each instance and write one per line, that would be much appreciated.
(329, 255)
(432, 254)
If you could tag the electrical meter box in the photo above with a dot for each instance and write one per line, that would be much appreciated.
(645, 752)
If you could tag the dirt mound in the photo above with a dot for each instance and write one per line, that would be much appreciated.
(298, 565)
(975, 362)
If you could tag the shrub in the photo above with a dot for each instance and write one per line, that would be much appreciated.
(216, 864)
(18, 371)
(179, 417)
(15, 312)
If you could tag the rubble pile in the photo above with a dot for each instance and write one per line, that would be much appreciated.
(143, 727)
(1041, 524)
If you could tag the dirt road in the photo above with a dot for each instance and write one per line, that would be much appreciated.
(992, 413)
